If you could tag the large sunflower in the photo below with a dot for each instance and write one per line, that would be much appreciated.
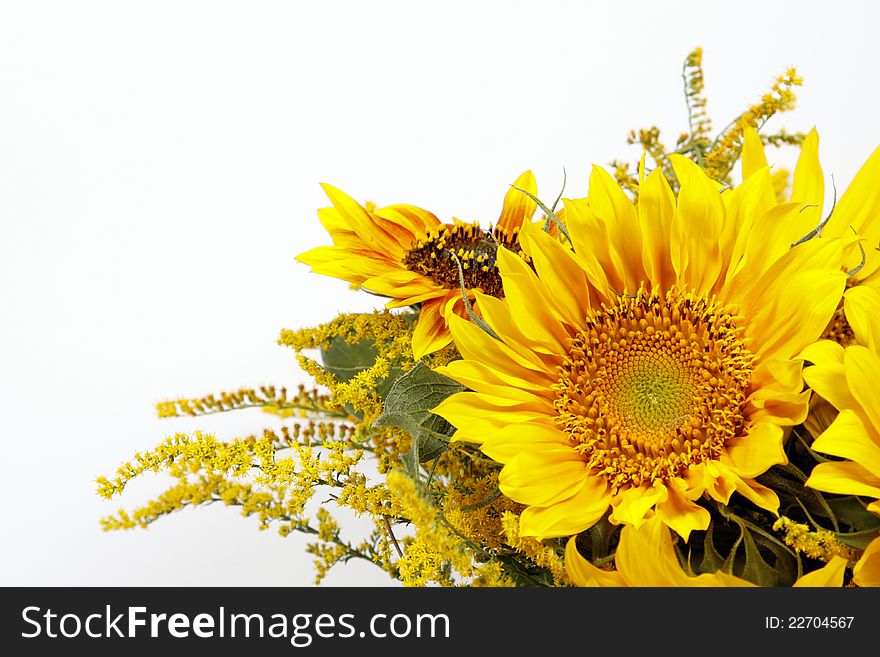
(406, 253)
(651, 364)
(850, 380)
(857, 212)
(646, 556)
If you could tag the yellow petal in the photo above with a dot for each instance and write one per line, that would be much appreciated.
(335, 223)
(646, 556)
(569, 517)
(777, 393)
(578, 263)
(831, 574)
(415, 219)
(752, 199)
(656, 215)
(504, 445)
(431, 333)
(720, 579)
(681, 513)
(347, 264)
(608, 201)
(497, 313)
(478, 416)
(757, 451)
(399, 283)
(867, 569)
(860, 204)
(357, 217)
(631, 505)
(591, 239)
(474, 343)
(560, 272)
(783, 325)
(829, 382)
(753, 156)
(583, 573)
(808, 187)
(759, 495)
(518, 207)
(436, 293)
(710, 476)
(845, 478)
(857, 211)
(700, 219)
(823, 352)
(528, 300)
(768, 237)
(861, 305)
(847, 438)
(771, 264)
(485, 378)
(397, 229)
(543, 477)
(863, 377)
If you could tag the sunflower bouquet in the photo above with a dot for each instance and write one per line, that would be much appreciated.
(674, 381)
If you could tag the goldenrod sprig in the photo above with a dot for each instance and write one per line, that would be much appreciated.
(820, 544)
(699, 123)
(274, 399)
(726, 148)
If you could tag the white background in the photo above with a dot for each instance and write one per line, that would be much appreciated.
(159, 170)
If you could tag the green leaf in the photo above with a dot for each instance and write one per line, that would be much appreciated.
(712, 561)
(858, 540)
(346, 360)
(852, 511)
(755, 568)
(788, 565)
(408, 406)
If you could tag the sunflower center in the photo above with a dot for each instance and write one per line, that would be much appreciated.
(474, 249)
(839, 330)
(652, 392)
(653, 384)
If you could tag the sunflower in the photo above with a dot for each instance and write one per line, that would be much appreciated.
(849, 378)
(856, 213)
(652, 363)
(646, 556)
(406, 253)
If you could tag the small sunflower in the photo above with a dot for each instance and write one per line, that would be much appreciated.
(849, 379)
(856, 213)
(652, 363)
(407, 254)
(646, 556)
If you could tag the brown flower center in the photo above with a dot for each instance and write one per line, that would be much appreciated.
(472, 247)
(839, 330)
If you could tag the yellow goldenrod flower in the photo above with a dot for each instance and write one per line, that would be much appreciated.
(646, 556)
(435, 554)
(856, 213)
(819, 544)
(653, 363)
(849, 379)
(406, 253)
